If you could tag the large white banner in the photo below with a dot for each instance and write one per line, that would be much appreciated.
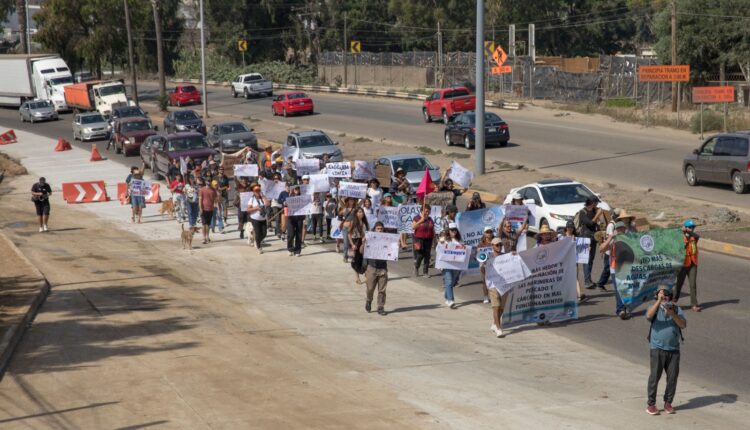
(306, 166)
(352, 189)
(503, 270)
(549, 293)
(451, 257)
(388, 215)
(381, 246)
(299, 205)
(339, 170)
(460, 175)
(320, 183)
(245, 170)
(583, 248)
(363, 170)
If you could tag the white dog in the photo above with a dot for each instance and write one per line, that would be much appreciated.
(250, 234)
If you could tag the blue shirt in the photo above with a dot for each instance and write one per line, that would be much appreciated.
(665, 334)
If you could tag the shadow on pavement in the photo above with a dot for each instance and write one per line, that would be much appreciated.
(719, 303)
(703, 401)
(414, 308)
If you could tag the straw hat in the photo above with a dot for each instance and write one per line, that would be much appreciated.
(544, 229)
(623, 215)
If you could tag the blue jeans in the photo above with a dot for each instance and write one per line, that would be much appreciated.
(619, 305)
(450, 279)
(193, 211)
(604, 278)
(587, 267)
(218, 217)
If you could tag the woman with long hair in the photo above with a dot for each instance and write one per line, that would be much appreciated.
(256, 209)
(451, 276)
(424, 233)
(356, 234)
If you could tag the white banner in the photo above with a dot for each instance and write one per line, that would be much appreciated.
(336, 232)
(451, 257)
(407, 213)
(140, 188)
(583, 248)
(352, 189)
(288, 151)
(245, 170)
(245, 200)
(502, 271)
(521, 244)
(299, 205)
(306, 166)
(549, 293)
(364, 170)
(306, 190)
(460, 175)
(339, 170)
(273, 189)
(320, 183)
(381, 246)
(388, 215)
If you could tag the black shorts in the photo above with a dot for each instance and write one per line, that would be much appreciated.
(207, 217)
(42, 208)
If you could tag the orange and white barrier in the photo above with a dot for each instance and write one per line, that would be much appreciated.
(8, 137)
(84, 192)
(153, 196)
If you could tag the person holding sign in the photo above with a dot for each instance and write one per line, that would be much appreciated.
(294, 226)
(207, 201)
(497, 300)
(475, 203)
(356, 233)
(424, 233)
(275, 218)
(446, 184)
(241, 185)
(451, 276)
(374, 192)
(570, 233)
(376, 274)
(487, 237)
(137, 200)
(609, 244)
(256, 209)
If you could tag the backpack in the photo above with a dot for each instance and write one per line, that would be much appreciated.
(577, 222)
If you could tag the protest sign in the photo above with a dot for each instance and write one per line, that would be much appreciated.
(339, 170)
(273, 189)
(583, 248)
(407, 213)
(381, 246)
(521, 243)
(518, 215)
(228, 161)
(140, 188)
(471, 225)
(319, 182)
(246, 170)
(645, 260)
(451, 257)
(306, 190)
(364, 170)
(288, 151)
(245, 200)
(376, 199)
(504, 270)
(440, 198)
(352, 189)
(306, 166)
(460, 175)
(389, 216)
(299, 205)
(549, 292)
(336, 232)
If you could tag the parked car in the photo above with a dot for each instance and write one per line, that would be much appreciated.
(184, 95)
(721, 159)
(231, 137)
(37, 110)
(165, 148)
(90, 126)
(414, 165)
(183, 120)
(251, 84)
(557, 201)
(291, 103)
(127, 111)
(446, 103)
(313, 144)
(147, 150)
(129, 134)
(462, 130)
(84, 77)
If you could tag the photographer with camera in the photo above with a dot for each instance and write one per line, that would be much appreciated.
(667, 321)
(40, 193)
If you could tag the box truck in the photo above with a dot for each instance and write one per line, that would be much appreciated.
(37, 76)
(100, 96)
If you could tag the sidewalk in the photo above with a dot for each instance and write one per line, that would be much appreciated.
(139, 333)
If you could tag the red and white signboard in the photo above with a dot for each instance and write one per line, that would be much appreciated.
(723, 94)
(84, 192)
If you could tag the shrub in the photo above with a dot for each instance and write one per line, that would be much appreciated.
(222, 69)
(163, 102)
(712, 121)
(620, 102)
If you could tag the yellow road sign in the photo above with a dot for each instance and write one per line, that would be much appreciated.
(242, 45)
(489, 48)
(355, 46)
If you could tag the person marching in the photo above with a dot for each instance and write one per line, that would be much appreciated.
(40, 193)
(356, 234)
(294, 226)
(570, 233)
(178, 197)
(485, 242)
(191, 201)
(376, 275)
(609, 243)
(207, 202)
(137, 203)
(497, 300)
(690, 265)
(451, 276)
(256, 209)
(424, 233)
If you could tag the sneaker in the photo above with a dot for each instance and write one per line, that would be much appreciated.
(447, 303)
(651, 410)
(46, 228)
(499, 332)
(322, 240)
(486, 299)
(451, 304)
(695, 308)
(493, 328)
(623, 315)
(381, 312)
(602, 288)
(583, 298)
(668, 408)
(368, 306)
(591, 286)
(260, 250)
(298, 255)
(41, 229)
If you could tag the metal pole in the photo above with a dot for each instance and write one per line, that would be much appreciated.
(512, 52)
(674, 53)
(678, 104)
(479, 112)
(131, 57)
(28, 30)
(648, 103)
(203, 63)
(346, 47)
(440, 57)
(701, 121)
(532, 56)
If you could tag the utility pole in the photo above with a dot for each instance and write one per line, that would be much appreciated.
(346, 52)
(532, 57)
(203, 62)
(159, 48)
(674, 52)
(479, 110)
(28, 27)
(131, 59)
(512, 51)
(440, 56)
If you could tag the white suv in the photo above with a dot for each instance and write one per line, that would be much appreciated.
(557, 201)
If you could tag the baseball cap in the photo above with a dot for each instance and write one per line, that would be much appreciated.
(689, 223)
(517, 196)
(453, 226)
(387, 195)
(620, 224)
(496, 241)
(488, 228)
(305, 176)
(570, 224)
(665, 288)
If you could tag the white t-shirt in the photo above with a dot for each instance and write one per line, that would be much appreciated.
(256, 202)
(610, 231)
(375, 195)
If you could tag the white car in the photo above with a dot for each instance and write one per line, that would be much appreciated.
(557, 201)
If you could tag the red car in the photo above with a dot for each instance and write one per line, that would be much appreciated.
(184, 95)
(290, 103)
(446, 103)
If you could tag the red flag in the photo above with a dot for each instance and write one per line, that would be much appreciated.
(426, 186)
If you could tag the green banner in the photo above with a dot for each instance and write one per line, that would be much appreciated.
(643, 261)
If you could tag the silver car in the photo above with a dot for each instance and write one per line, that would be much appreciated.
(413, 165)
(232, 137)
(313, 144)
(90, 126)
(37, 110)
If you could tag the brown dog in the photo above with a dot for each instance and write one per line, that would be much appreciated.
(167, 208)
(187, 236)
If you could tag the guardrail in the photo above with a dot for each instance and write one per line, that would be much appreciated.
(502, 104)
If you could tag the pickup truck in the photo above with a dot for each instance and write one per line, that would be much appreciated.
(251, 84)
(447, 102)
(183, 95)
(164, 149)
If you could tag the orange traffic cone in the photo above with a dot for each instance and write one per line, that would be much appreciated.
(60, 145)
(12, 135)
(95, 155)
(67, 146)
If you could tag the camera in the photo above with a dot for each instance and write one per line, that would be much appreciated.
(667, 306)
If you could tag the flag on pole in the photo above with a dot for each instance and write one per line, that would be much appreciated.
(183, 166)
(426, 186)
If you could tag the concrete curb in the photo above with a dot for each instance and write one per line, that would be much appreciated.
(732, 250)
(10, 341)
(502, 104)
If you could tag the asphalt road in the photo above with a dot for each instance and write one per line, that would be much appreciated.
(716, 341)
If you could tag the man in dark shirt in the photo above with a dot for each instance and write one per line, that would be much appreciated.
(40, 193)
(376, 275)
(586, 226)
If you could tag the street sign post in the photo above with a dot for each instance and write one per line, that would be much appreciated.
(702, 95)
(355, 46)
(242, 47)
(489, 48)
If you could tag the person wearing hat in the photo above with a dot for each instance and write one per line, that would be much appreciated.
(257, 212)
(399, 184)
(294, 227)
(667, 322)
(446, 184)
(497, 300)
(545, 236)
(690, 265)
(376, 275)
(475, 202)
(424, 233)
(486, 242)
(617, 215)
(40, 193)
(450, 276)
(587, 223)
(609, 244)
(241, 185)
